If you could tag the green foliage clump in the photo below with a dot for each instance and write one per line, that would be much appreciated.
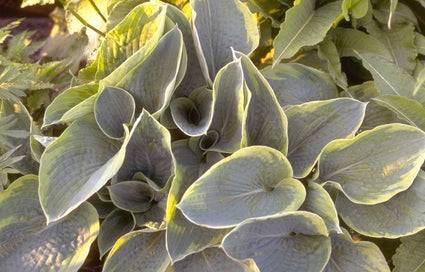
(217, 135)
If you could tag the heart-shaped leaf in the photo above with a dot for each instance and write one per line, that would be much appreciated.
(151, 76)
(66, 101)
(296, 241)
(228, 108)
(304, 26)
(77, 165)
(232, 26)
(319, 202)
(252, 182)
(184, 237)
(311, 126)
(132, 196)
(28, 244)
(142, 248)
(193, 114)
(376, 164)
(210, 260)
(265, 121)
(354, 256)
(113, 108)
(149, 152)
(295, 83)
(115, 225)
(402, 215)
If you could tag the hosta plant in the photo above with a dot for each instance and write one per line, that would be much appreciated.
(225, 135)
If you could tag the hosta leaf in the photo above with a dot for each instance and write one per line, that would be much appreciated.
(133, 196)
(28, 244)
(402, 215)
(409, 110)
(327, 51)
(410, 255)
(420, 82)
(232, 26)
(139, 31)
(348, 40)
(377, 115)
(272, 9)
(354, 256)
(193, 78)
(113, 108)
(66, 101)
(319, 202)
(355, 8)
(115, 225)
(376, 164)
(193, 114)
(295, 83)
(77, 165)
(210, 260)
(399, 42)
(184, 237)
(149, 152)
(142, 249)
(155, 216)
(304, 26)
(241, 186)
(228, 108)
(265, 121)
(296, 241)
(313, 125)
(389, 79)
(151, 77)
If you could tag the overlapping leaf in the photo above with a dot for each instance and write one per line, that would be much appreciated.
(228, 108)
(313, 125)
(70, 99)
(143, 248)
(149, 152)
(113, 108)
(184, 237)
(295, 83)
(319, 202)
(265, 121)
(354, 256)
(133, 196)
(232, 26)
(296, 241)
(210, 260)
(151, 77)
(76, 165)
(115, 225)
(28, 244)
(375, 165)
(410, 255)
(253, 182)
(402, 215)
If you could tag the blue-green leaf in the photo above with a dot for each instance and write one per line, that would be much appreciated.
(376, 164)
(253, 182)
(296, 241)
(232, 26)
(27, 244)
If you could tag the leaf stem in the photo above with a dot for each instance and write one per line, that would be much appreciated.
(97, 10)
(81, 19)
